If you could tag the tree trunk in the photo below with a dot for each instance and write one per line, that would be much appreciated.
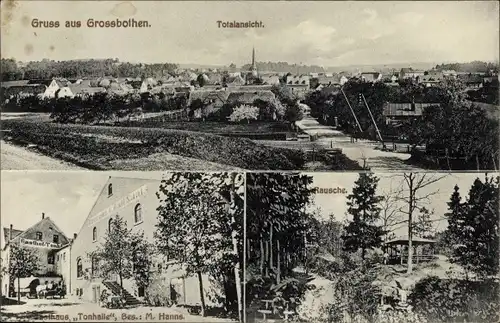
(121, 280)
(202, 296)
(278, 270)
(261, 256)
(18, 289)
(266, 257)
(237, 278)
(410, 224)
(271, 247)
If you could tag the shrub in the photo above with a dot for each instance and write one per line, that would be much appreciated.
(158, 292)
(454, 300)
(244, 113)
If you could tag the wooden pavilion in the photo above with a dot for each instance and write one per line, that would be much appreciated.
(397, 249)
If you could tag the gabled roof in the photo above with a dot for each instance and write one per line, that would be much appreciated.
(6, 233)
(404, 240)
(250, 97)
(44, 221)
(406, 109)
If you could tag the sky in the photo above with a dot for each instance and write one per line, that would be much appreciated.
(390, 182)
(337, 33)
(65, 197)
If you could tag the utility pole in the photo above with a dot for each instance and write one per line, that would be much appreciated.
(353, 114)
(373, 119)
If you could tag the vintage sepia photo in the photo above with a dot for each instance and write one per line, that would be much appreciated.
(338, 86)
(122, 247)
(249, 161)
(372, 247)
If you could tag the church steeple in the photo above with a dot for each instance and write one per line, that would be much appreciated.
(253, 68)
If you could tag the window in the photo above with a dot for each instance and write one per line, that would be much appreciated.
(94, 234)
(64, 256)
(57, 257)
(79, 268)
(55, 238)
(140, 291)
(39, 235)
(138, 213)
(95, 267)
(110, 224)
(50, 259)
(110, 190)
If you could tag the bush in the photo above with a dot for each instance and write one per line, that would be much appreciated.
(158, 292)
(453, 300)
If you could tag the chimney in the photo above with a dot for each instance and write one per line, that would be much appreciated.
(10, 232)
(43, 216)
(74, 236)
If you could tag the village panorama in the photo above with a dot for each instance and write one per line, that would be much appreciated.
(112, 115)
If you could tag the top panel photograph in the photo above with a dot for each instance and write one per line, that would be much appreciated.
(232, 86)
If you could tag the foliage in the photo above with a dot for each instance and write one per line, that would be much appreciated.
(473, 227)
(48, 69)
(363, 232)
(470, 67)
(456, 300)
(123, 253)
(23, 262)
(284, 67)
(244, 112)
(422, 226)
(200, 222)
(158, 292)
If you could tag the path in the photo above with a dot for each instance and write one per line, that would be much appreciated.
(362, 151)
(73, 310)
(18, 158)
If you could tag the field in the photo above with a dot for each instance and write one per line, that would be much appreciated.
(123, 148)
(255, 130)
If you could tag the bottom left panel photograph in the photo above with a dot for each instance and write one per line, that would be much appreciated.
(122, 246)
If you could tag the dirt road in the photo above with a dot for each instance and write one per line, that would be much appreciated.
(18, 158)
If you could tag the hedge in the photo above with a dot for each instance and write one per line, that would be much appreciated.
(238, 152)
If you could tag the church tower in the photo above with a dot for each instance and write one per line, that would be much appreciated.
(253, 68)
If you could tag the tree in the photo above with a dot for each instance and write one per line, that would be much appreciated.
(201, 80)
(411, 195)
(23, 262)
(244, 112)
(422, 226)
(200, 223)
(362, 232)
(473, 227)
(115, 255)
(142, 252)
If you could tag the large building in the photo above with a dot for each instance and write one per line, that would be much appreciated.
(135, 201)
(51, 246)
(70, 261)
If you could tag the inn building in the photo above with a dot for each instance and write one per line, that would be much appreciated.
(51, 246)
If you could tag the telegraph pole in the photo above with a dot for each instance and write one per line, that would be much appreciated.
(373, 119)
(353, 114)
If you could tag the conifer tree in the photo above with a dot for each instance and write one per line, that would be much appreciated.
(363, 232)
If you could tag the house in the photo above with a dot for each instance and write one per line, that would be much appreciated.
(410, 73)
(64, 92)
(270, 79)
(431, 79)
(371, 76)
(84, 89)
(235, 80)
(471, 81)
(396, 112)
(244, 97)
(298, 89)
(47, 241)
(298, 80)
(449, 73)
(326, 81)
(51, 86)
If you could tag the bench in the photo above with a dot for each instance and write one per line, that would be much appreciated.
(265, 313)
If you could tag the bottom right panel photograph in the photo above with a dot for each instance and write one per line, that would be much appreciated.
(372, 247)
